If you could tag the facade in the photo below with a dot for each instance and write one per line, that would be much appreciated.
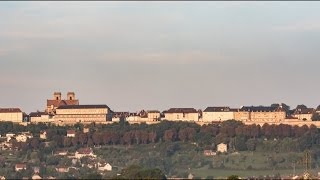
(53, 104)
(84, 152)
(21, 138)
(40, 117)
(181, 114)
(304, 113)
(104, 167)
(153, 115)
(43, 135)
(222, 147)
(11, 114)
(217, 114)
(71, 133)
(85, 114)
(260, 114)
(19, 167)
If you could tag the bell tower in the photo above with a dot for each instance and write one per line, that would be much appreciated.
(71, 96)
(57, 95)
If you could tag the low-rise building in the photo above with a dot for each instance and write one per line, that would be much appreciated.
(217, 114)
(21, 138)
(209, 153)
(104, 167)
(85, 114)
(11, 114)
(222, 147)
(304, 113)
(43, 134)
(40, 117)
(20, 166)
(62, 169)
(260, 114)
(181, 114)
(84, 152)
(71, 133)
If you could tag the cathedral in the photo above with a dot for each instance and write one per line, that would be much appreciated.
(53, 104)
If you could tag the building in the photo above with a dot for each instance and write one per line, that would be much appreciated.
(62, 169)
(21, 138)
(43, 134)
(86, 114)
(118, 116)
(71, 133)
(260, 114)
(20, 166)
(11, 114)
(209, 153)
(53, 104)
(40, 117)
(181, 114)
(217, 114)
(153, 115)
(304, 113)
(84, 152)
(222, 147)
(104, 167)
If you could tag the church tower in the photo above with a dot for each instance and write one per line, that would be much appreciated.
(71, 96)
(57, 95)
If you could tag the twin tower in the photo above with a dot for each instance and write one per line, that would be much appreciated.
(70, 96)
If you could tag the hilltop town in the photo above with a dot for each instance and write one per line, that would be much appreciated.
(69, 111)
(73, 140)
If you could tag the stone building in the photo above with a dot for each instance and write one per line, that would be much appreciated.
(57, 101)
(40, 117)
(86, 114)
(260, 114)
(222, 147)
(11, 114)
(181, 114)
(304, 113)
(217, 114)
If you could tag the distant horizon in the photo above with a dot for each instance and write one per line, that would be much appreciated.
(157, 55)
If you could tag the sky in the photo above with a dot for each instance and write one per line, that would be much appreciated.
(158, 55)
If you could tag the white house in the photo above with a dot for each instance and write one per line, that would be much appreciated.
(222, 147)
(104, 167)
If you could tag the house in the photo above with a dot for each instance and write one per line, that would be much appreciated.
(36, 176)
(222, 147)
(20, 166)
(84, 152)
(133, 117)
(21, 138)
(86, 130)
(62, 153)
(2, 178)
(71, 133)
(10, 135)
(40, 117)
(304, 113)
(153, 115)
(118, 116)
(43, 134)
(209, 153)
(62, 169)
(104, 167)
(5, 145)
(217, 114)
(11, 114)
(181, 114)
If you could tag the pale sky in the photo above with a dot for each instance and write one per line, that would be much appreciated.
(158, 55)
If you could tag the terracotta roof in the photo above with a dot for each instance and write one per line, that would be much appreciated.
(84, 151)
(181, 110)
(37, 114)
(9, 110)
(83, 106)
(21, 165)
(71, 132)
(217, 109)
(57, 103)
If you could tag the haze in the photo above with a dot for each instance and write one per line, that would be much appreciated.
(157, 55)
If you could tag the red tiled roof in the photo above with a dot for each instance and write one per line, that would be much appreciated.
(85, 150)
(21, 166)
(57, 103)
(71, 132)
(9, 110)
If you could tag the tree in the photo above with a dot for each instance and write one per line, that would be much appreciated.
(67, 142)
(251, 144)
(233, 177)
(96, 137)
(315, 117)
(34, 143)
